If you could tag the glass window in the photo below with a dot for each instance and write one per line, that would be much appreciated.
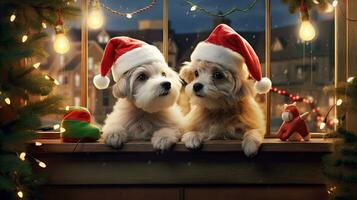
(146, 26)
(301, 69)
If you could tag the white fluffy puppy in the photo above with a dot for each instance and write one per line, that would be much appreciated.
(147, 91)
(145, 108)
(222, 97)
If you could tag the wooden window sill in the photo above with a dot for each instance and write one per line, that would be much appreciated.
(316, 145)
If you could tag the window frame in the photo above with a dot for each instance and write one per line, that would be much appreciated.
(340, 41)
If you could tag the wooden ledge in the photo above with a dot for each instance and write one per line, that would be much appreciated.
(315, 145)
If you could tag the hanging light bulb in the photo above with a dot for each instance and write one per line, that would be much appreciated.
(307, 31)
(12, 17)
(193, 8)
(129, 16)
(95, 17)
(61, 43)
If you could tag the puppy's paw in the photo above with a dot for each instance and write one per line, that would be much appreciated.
(164, 138)
(192, 140)
(114, 136)
(251, 142)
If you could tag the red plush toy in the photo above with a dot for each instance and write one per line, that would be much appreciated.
(294, 127)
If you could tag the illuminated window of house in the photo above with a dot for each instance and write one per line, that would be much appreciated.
(298, 67)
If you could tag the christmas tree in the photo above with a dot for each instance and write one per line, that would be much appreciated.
(25, 92)
(341, 165)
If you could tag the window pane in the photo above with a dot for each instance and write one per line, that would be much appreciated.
(188, 28)
(300, 68)
(65, 68)
(146, 26)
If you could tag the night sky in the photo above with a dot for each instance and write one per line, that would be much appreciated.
(184, 21)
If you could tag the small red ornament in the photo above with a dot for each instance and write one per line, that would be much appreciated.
(294, 127)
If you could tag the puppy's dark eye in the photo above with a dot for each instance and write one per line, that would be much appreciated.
(196, 74)
(163, 74)
(218, 75)
(142, 77)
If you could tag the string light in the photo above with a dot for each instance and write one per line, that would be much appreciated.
(22, 156)
(129, 15)
(42, 164)
(56, 82)
(7, 101)
(20, 194)
(350, 79)
(24, 38)
(12, 17)
(329, 8)
(339, 102)
(334, 3)
(47, 77)
(61, 43)
(95, 17)
(322, 125)
(62, 130)
(193, 8)
(67, 108)
(44, 25)
(37, 65)
(56, 126)
(38, 144)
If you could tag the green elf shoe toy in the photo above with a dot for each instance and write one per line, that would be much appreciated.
(76, 126)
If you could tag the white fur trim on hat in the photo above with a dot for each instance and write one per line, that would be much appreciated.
(217, 54)
(101, 82)
(134, 58)
(263, 86)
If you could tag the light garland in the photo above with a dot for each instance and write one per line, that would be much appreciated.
(13, 17)
(129, 15)
(194, 7)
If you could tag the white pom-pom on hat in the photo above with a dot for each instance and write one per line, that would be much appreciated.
(263, 86)
(101, 82)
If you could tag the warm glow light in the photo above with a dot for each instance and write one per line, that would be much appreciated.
(129, 16)
(315, 1)
(322, 125)
(42, 164)
(56, 82)
(24, 38)
(307, 31)
(339, 102)
(95, 19)
(7, 101)
(62, 130)
(56, 126)
(36, 65)
(38, 144)
(20, 194)
(44, 25)
(335, 120)
(22, 156)
(329, 8)
(334, 3)
(350, 79)
(47, 77)
(193, 8)
(12, 17)
(61, 43)
(67, 108)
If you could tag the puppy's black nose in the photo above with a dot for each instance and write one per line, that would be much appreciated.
(197, 87)
(166, 85)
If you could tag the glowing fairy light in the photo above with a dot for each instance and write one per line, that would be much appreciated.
(193, 8)
(334, 3)
(20, 194)
(350, 79)
(12, 17)
(129, 16)
(44, 25)
(22, 156)
(36, 65)
(339, 102)
(38, 144)
(322, 125)
(47, 77)
(24, 38)
(56, 82)
(307, 31)
(56, 126)
(7, 101)
(42, 164)
(67, 108)
(62, 130)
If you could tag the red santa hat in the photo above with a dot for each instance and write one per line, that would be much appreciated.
(122, 54)
(226, 47)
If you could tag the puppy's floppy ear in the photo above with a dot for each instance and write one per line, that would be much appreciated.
(120, 89)
(186, 72)
(246, 89)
